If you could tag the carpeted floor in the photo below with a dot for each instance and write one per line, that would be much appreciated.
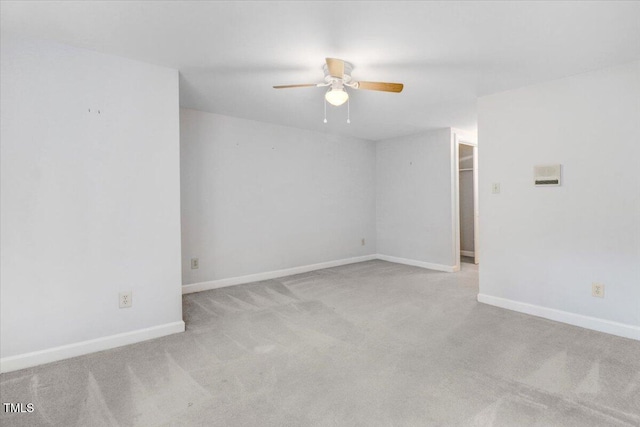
(368, 344)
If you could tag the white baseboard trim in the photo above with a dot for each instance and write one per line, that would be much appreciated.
(240, 280)
(27, 360)
(423, 264)
(232, 281)
(471, 254)
(593, 323)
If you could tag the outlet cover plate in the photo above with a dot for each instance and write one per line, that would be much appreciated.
(126, 299)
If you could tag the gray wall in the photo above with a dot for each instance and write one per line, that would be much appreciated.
(258, 197)
(414, 199)
(90, 202)
(546, 246)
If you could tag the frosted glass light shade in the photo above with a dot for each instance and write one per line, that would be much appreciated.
(336, 97)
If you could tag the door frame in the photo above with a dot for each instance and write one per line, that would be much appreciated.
(464, 138)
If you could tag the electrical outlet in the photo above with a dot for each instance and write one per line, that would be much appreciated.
(195, 263)
(597, 290)
(126, 299)
(363, 241)
(495, 188)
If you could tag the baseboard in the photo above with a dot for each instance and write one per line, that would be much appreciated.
(415, 263)
(240, 280)
(232, 281)
(471, 254)
(593, 323)
(27, 360)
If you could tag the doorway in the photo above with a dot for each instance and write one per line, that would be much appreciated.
(466, 200)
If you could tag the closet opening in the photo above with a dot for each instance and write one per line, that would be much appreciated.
(467, 201)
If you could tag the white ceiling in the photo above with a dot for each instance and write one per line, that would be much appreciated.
(446, 53)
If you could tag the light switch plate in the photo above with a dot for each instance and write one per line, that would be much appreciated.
(597, 290)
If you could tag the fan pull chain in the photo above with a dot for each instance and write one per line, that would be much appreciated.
(348, 110)
(325, 110)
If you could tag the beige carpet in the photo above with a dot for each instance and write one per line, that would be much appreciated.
(369, 344)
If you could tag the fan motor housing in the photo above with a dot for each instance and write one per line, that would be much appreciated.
(348, 68)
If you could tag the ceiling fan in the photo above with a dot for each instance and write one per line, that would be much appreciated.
(337, 75)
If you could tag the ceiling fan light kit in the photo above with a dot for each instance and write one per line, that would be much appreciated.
(337, 74)
(336, 97)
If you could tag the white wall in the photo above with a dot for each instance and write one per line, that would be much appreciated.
(90, 202)
(414, 198)
(258, 197)
(545, 246)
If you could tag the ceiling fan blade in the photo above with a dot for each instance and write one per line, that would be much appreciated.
(382, 86)
(336, 67)
(290, 86)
